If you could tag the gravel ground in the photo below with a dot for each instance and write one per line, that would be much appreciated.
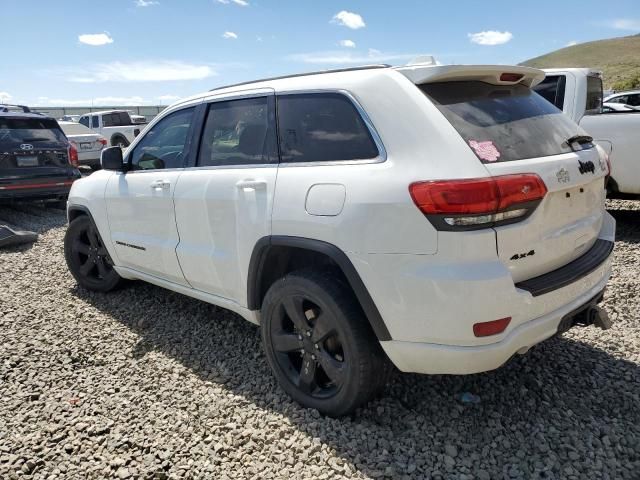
(145, 383)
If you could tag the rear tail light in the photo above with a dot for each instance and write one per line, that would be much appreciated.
(73, 155)
(494, 327)
(478, 202)
(102, 141)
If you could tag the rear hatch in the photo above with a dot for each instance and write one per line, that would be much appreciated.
(28, 142)
(513, 131)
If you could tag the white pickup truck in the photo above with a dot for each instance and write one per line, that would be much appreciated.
(114, 125)
(578, 92)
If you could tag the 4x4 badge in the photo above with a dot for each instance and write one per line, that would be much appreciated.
(563, 176)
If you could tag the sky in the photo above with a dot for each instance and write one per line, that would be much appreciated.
(153, 52)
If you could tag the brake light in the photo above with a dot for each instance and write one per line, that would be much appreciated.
(102, 141)
(494, 327)
(479, 202)
(511, 77)
(73, 155)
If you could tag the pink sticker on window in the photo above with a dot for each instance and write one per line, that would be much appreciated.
(486, 151)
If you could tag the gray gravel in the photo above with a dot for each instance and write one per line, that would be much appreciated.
(145, 383)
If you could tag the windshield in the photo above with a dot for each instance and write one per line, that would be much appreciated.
(30, 130)
(501, 123)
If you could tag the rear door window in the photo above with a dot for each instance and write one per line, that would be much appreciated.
(239, 132)
(501, 123)
(95, 122)
(321, 127)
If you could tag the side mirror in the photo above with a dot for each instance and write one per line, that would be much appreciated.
(111, 159)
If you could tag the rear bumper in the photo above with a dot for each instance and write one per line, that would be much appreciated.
(430, 303)
(41, 189)
(461, 360)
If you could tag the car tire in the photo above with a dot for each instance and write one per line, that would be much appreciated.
(320, 345)
(87, 258)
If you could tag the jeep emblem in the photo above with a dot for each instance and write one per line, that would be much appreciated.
(587, 166)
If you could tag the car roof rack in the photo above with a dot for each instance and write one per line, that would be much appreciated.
(318, 72)
(5, 108)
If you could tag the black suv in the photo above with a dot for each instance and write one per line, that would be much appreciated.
(37, 162)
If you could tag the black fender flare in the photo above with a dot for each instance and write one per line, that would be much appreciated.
(260, 254)
(78, 208)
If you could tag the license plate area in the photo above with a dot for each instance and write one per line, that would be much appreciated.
(27, 161)
(85, 145)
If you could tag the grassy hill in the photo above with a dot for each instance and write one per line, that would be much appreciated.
(618, 58)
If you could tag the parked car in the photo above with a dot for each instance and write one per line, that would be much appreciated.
(438, 218)
(36, 160)
(631, 98)
(578, 92)
(137, 119)
(617, 107)
(88, 143)
(114, 125)
(70, 118)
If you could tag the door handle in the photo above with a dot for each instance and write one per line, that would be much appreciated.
(251, 184)
(160, 184)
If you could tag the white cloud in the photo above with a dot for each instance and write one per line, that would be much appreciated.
(86, 102)
(242, 3)
(5, 97)
(341, 57)
(95, 39)
(572, 43)
(230, 35)
(348, 19)
(140, 71)
(146, 3)
(168, 98)
(347, 43)
(490, 37)
(624, 24)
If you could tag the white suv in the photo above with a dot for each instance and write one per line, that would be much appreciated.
(437, 218)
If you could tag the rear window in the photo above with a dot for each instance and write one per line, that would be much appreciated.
(30, 130)
(552, 89)
(321, 127)
(502, 123)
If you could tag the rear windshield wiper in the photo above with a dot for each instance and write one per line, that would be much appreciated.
(579, 140)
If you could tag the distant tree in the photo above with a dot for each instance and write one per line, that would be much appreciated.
(631, 83)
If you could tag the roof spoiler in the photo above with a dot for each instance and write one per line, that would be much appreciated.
(427, 72)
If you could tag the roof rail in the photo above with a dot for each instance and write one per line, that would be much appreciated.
(4, 107)
(318, 72)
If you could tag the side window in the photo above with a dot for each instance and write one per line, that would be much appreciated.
(84, 121)
(107, 120)
(164, 145)
(321, 127)
(239, 132)
(95, 121)
(552, 89)
(634, 100)
(594, 95)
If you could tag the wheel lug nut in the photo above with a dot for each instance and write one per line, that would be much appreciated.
(317, 346)
(313, 357)
(308, 333)
(299, 337)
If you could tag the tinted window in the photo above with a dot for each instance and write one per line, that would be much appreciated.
(503, 123)
(322, 127)
(594, 95)
(30, 130)
(95, 122)
(634, 100)
(164, 145)
(84, 121)
(552, 89)
(239, 132)
(107, 120)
